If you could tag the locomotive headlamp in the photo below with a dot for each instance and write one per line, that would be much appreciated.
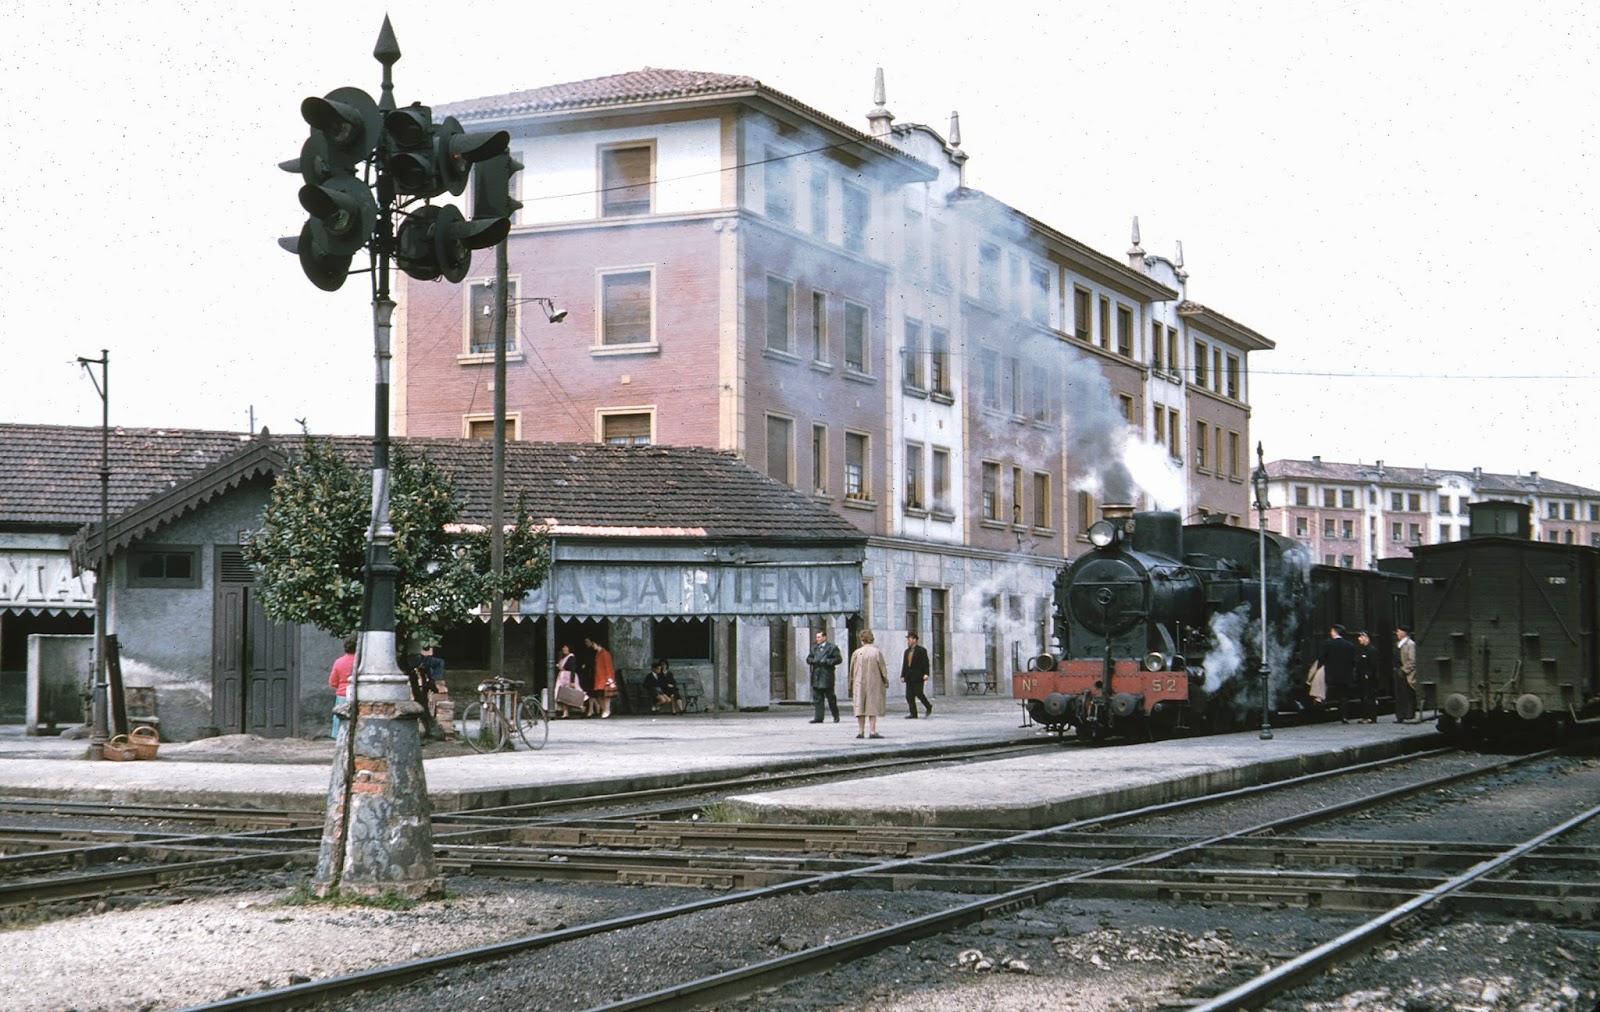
(1154, 661)
(1102, 533)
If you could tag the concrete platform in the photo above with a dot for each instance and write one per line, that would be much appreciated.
(627, 752)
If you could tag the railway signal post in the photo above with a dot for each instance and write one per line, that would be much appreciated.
(377, 837)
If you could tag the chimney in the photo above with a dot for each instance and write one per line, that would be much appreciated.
(880, 117)
(1136, 252)
(1477, 474)
(1533, 476)
(1380, 470)
(957, 156)
(1316, 458)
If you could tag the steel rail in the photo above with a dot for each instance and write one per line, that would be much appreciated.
(1308, 964)
(301, 995)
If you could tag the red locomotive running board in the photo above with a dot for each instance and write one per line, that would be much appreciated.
(1073, 678)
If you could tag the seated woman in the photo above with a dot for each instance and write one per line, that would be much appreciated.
(662, 688)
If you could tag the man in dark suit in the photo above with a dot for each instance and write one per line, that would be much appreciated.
(914, 672)
(1338, 660)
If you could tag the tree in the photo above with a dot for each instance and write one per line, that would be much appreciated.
(310, 552)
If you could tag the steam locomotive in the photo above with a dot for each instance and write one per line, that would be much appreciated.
(1160, 629)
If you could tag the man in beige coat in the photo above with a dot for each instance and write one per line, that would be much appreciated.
(869, 685)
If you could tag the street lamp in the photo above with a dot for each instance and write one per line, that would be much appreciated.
(1258, 479)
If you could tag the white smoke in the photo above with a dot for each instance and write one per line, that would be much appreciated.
(1236, 645)
(1156, 474)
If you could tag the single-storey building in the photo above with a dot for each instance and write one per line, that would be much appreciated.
(668, 551)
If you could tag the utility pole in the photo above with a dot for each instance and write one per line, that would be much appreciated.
(99, 688)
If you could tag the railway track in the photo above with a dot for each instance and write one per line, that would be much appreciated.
(1008, 871)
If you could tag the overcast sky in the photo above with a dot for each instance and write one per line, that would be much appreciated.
(1402, 196)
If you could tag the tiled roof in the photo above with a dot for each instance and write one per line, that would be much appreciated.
(651, 84)
(648, 85)
(50, 475)
(1485, 482)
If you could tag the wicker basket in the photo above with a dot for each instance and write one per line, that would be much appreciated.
(119, 749)
(145, 740)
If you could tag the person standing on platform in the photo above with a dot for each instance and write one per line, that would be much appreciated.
(1338, 660)
(1367, 677)
(339, 678)
(822, 659)
(914, 672)
(570, 697)
(1405, 679)
(869, 685)
(605, 678)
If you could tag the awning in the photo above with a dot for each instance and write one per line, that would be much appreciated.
(595, 589)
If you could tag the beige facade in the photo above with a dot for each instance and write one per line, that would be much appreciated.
(1355, 515)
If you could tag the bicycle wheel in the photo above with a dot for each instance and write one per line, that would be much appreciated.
(533, 723)
(483, 733)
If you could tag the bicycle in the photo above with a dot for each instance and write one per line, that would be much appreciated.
(501, 712)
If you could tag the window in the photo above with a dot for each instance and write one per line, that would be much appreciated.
(1327, 528)
(1567, 510)
(1175, 430)
(1125, 401)
(1302, 527)
(1040, 394)
(938, 611)
(1328, 560)
(1347, 530)
(1444, 505)
(911, 243)
(914, 611)
(819, 459)
(625, 180)
(778, 175)
(941, 479)
(819, 203)
(1235, 461)
(1201, 440)
(1566, 536)
(939, 378)
(819, 326)
(913, 492)
(1302, 495)
(482, 426)
(164, 567)
(989, 273)
(857, 218)
(1414, 503)
(913, 355)
(1039, 288)
(1594, 511)
(1124, 332)
(632, 429)
(1159, 435)
(855, 466)
(1018, 503)
(1415, 533)
(1347, 499)
(989, 377)
(855, 337)
(1041, 499)
(1172, 349)
(1329, 498)
(991, 491)
(1014, 383)
(1216, 367)
(1347, 561)
(1553, 512)
(1233, 376)
(1396, 532)
(1105, 323)
(1080, 314)
(480, 317)
(780, 449)
(1199, 364)
(625, 308)
(1158, 348)
(1397, 502)
(780, 314)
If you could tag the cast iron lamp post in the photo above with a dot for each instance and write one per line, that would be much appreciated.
(1259, 480)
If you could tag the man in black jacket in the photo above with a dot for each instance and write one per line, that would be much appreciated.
(824, 657)
(914, 672)
(1338, 660)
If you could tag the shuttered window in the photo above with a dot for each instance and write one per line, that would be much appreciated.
(625, 178)
(625, 308)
